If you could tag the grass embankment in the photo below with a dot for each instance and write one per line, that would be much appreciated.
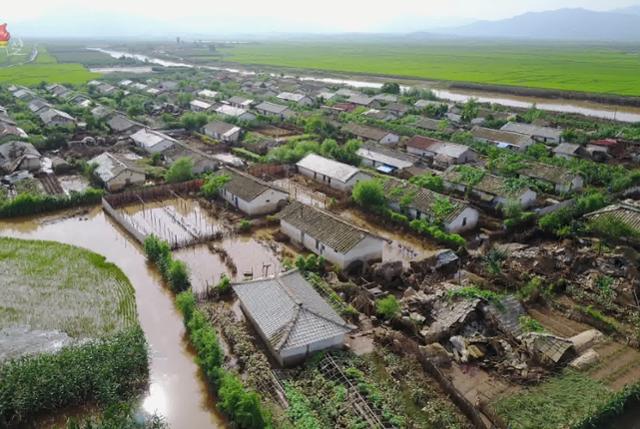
(56, 287)
(571, 400)
(45, 68)
(571, 67)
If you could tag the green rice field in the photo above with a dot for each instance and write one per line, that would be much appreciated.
(597, 69)
(44, 68)
(52, 286)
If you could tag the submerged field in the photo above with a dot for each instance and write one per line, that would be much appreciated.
(50, 286)
(595, 69)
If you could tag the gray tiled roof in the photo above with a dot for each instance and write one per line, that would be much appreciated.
(245, 186)
(330, 230)
(288, 311)
(365, 131)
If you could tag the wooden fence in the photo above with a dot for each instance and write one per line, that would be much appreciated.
(153, 193)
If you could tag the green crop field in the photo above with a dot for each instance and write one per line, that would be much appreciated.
(51, 286)
(595, 69)
(44, 68)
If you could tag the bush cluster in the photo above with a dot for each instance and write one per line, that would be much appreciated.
(102, 372)
(242, 406)
(455, 241)
(174, 272)
(29, 204)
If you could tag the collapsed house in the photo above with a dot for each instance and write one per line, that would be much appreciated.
(17, 155)
(327, 235)
(292, 319)
(384, 159)
(442, 154)
(115, 173)
(250, 194)
(152, 141)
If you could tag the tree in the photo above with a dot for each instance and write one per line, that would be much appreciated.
(193, 121)
(429, 181)
(178, 276)
(388, 307)
(213, 184)
(180, 171)
(470, 110)
(390, 88)
(369, 194)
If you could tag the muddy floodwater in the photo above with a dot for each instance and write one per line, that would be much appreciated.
(177, 389)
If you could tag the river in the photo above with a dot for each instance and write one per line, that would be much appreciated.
(596, 110)
(177, 389)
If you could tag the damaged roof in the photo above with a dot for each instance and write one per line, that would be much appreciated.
(624, 212)
(366, 132)
(288, 311)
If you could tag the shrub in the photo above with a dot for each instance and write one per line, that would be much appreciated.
(28, 204)
(388, 307)
(213, 183)
(180, 171)
(429, 181)
(178, 276)
(528, 324)
(245, 225)
(311, 263)
(474, 292)
(224, 285)
(454, 240)
(175, 273)
(369, 194)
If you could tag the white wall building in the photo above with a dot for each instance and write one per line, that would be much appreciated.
(334, 174)
(250, 194)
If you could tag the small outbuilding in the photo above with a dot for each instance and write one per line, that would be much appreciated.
(250, 194)
(334, 174)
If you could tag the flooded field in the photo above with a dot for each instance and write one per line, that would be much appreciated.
(177, 390)
(177, 221)
(301, 193)
(245, 257)
(73, 183)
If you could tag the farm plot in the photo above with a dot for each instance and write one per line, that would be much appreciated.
(53, 291)
(178, 221)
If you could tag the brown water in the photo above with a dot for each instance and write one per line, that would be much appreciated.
(177, 390)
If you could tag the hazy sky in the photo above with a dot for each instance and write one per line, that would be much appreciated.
(272, 15)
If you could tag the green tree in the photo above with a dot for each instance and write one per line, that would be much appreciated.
(390, 88)
(180, 171)
(369, 194)
(194, 121)
(213, 184)
(470, 110)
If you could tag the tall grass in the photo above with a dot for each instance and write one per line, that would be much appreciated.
(29, 204)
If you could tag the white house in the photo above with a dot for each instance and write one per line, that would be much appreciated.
(222, 131)
(115, 173)
(536, 133)
(443, 154)
(292, 318)
(250, 194)
(235, 112)
(299, 99)
(502, 139)
(334, 174)
(365, 132)
(272, 109)
(19, 155)
(385, 159)
(152, 141)
(199, 106)
(240, 102)
(327, 235)
(421, 203)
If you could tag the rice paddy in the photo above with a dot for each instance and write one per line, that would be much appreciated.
(597, 69)
(50, 286)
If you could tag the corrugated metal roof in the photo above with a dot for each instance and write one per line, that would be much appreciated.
(288, 311)
(328, 167)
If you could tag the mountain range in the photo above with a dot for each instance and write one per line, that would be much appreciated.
(619, 25)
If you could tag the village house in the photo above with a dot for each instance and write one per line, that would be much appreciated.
(421, 104)
(11, 132)
(365, 133)
(15, 156)
(502, 139)
(379, 115)
(120, 124)
(615, 148)
(299, 99)
(199, 106)
(387, 98)
(101, 112)
(251, 195)
(434, 125)
(207, 93)
(568, 150)
(329, 236)
(490, 189)
(363, 100)
(57, 90)
(455, 215)
(202, 162)
(536, 133)
(441, 154)
(572, 150)
(267, 108)
(125, 82)
(222, 131)
(105, 88)
(397, 109)
(115, 173)
(292, 318)
(334, 174)
(81, 101)
(37, 104)
(625, 212)
(562, 180)
(24, 94)
(55, 117)
(384, 159)
(152, 141)
(235, 112)
(139, 86)
(240, 102)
